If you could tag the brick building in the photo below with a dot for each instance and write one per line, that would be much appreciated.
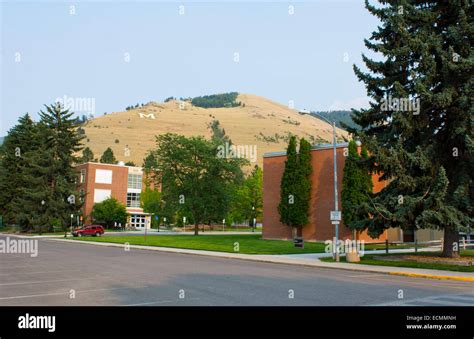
(322, 196)
(98, 182)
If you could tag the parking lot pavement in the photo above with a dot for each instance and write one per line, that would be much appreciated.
(74, 274)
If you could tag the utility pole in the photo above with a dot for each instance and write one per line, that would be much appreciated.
(336, 207)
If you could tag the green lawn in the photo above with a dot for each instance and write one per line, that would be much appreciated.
(248, 244)
(369, 259)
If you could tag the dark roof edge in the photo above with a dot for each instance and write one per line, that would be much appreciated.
(313, 148)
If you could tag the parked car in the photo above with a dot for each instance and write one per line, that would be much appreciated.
(92, 230)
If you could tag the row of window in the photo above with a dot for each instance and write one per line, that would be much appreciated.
(105, 177)
(133, 200)
(137, 221)
(135, 181)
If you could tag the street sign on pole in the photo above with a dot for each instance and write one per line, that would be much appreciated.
(335, 216)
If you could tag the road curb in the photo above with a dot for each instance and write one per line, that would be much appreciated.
(251, 257)
(430, 276)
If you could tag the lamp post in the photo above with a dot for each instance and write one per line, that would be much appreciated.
(147, 222)
(254, 220)
(42, 210)
(336, 206)
(72, 217)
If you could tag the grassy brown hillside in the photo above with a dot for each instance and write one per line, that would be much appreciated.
(259, 122)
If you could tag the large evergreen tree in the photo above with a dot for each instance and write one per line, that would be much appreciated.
(50, 194)
(424, 153)
(21, 139)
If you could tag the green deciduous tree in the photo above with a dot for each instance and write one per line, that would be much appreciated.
(247, 198)
(419, 128)
(151, 203)
(108, 157)
(194, 179)
(109, 212)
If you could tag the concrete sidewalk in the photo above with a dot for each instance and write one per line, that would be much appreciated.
(326, 255)
(297, 260)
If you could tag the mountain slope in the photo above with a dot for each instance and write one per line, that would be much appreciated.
(258, 121)
(338, 116)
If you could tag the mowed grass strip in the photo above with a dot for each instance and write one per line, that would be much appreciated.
(248, 244)
(369, 259)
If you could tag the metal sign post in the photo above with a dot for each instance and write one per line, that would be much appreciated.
(335, 217)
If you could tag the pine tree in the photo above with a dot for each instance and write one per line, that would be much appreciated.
(50, 194)
(425, 153)
(108, 157)
(20, 140)
(87, 155)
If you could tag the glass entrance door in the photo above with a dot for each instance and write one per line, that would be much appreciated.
(138, 221)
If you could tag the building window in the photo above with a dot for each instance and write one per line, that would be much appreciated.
(82, 194)
(133, 200)
(103, 176)
(101, 195)
(135, 181)
(83, 176)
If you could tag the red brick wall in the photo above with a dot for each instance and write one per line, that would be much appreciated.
(322, 198)
(118, 187)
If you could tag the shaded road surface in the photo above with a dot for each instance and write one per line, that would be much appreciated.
(80, 274)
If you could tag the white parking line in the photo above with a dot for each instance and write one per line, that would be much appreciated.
(14, 267)
(38, 272)
(67, 293)
(45, 281)
(160, 302)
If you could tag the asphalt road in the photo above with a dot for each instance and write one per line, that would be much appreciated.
(80, 274)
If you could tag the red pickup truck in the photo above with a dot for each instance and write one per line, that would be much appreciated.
(93, 230)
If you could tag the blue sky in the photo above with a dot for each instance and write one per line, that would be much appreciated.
(307, 56)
